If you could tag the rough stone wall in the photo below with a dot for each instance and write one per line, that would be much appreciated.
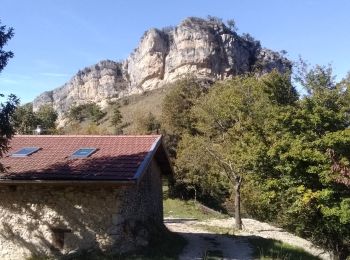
(141, 212)
(101, 217)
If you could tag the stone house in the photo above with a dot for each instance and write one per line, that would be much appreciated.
(62, 194)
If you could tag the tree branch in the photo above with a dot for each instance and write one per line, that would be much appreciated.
(227, 166)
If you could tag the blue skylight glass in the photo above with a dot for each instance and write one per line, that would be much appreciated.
(26, 151)
(83, 152)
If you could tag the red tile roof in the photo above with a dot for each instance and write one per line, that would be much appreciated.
(116, 158)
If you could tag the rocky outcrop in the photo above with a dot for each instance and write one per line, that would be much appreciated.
(204, 48)
(199, 47)
(97, 83)
(145, 67)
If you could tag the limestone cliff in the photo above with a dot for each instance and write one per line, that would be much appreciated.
(92, 84)
(203, 48)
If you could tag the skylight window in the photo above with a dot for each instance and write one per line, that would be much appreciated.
(83, 152)
(26, 151)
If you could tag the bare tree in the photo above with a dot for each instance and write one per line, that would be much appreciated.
(236, 180)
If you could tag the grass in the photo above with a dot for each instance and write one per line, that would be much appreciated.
(141, 105)
(217, 230)
(176, 208)
(274, 249)
(213, 255)
(131, 108)
(134, 107)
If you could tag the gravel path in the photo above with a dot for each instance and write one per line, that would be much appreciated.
(201, 240)
(261, 229)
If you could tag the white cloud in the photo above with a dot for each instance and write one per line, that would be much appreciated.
(8, 81)
(54, 74)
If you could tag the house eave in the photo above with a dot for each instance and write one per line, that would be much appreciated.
(146, 162)
(68, 182)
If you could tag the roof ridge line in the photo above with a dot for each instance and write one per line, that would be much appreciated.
(103, 136)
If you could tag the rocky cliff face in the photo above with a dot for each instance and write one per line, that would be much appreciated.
(203, 48)
(97, 83)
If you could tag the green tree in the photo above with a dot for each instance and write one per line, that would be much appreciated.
(89, 111)
(8, 107)
(25, 119)
(76, 114)
(231, 23)
(302, 185)
(198, 175)
(95, 113)
(5, 35)
(230, 125)
(176, 119)
(117, 119)
(311, 156)
(146, 124)
(47, 117)
(7, 130)
(288, 156)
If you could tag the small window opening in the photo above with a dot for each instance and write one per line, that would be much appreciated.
(58, 237)
(13, 188)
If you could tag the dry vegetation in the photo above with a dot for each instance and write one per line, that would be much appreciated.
(132, 108)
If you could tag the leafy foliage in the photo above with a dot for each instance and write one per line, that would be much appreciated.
(7, 130)
(146, 124)
(229, 136)
(89, 111)
(117, 119)
(5, 35)
(7, 108)
(292, 153)
(311, 200)
(176, 118)
(47, 116)
(231, 23)
(25, 120)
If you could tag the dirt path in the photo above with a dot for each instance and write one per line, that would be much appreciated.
(202, 242)
(261, 229)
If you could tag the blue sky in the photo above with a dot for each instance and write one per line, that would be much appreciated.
(54, 39)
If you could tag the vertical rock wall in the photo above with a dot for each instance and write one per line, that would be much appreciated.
(201, 48)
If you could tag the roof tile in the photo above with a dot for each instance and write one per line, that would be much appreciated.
(117, 157)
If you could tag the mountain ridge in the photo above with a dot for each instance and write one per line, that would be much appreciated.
(204, 48)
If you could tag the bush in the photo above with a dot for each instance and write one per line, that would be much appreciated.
(89, 111)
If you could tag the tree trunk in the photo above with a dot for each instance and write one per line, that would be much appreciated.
(238, 219)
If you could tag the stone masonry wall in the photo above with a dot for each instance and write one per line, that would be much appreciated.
(140, 212)
(57, 220)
